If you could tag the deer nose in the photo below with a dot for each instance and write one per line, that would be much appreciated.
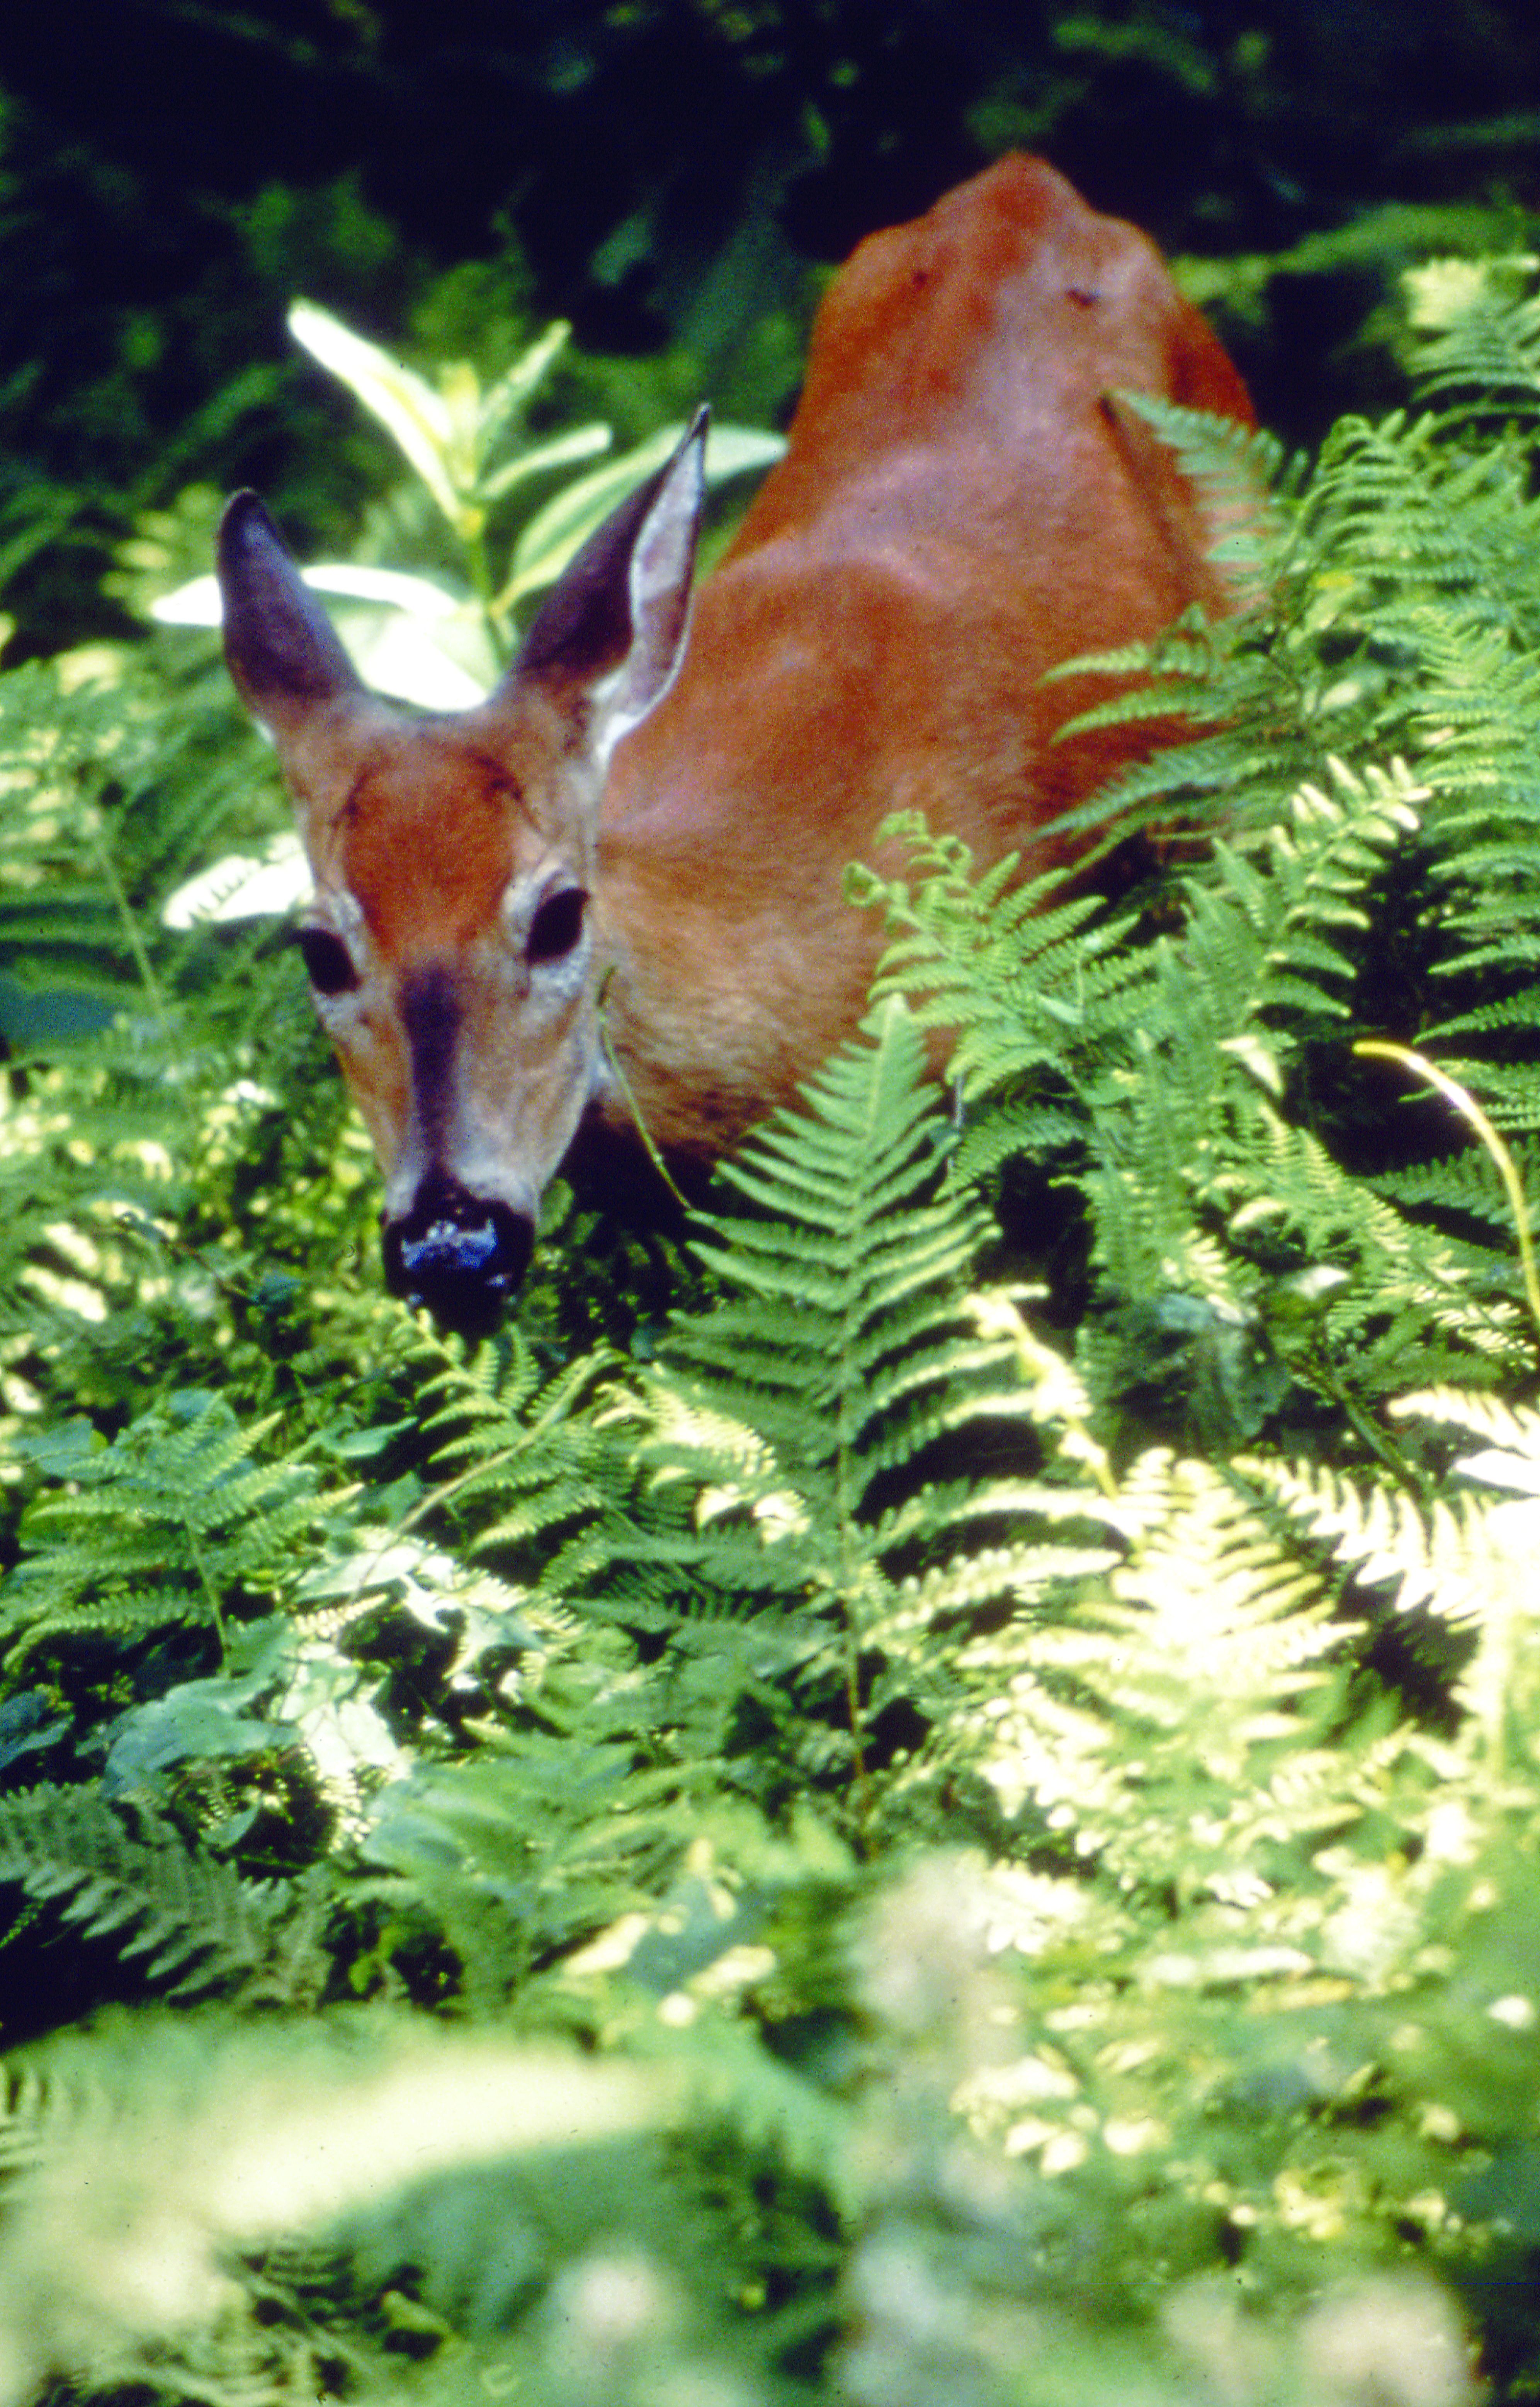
(458, 1254)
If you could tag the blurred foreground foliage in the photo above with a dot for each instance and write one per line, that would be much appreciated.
(926, 1791)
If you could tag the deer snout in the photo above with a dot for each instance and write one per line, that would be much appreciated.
(459, 1254)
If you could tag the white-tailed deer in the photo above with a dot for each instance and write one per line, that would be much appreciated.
(961, 507)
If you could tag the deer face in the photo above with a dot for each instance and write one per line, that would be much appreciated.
(453, 943)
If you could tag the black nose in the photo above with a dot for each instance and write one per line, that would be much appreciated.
(458, 1254)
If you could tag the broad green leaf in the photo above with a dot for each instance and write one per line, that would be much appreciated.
(580, 444)
(197, 604)
(512, 391)
(408, 408)
(555, 533)
(405, 636)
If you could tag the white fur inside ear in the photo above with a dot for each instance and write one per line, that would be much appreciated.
(658, 590)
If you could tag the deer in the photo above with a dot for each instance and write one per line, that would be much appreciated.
(614, 888)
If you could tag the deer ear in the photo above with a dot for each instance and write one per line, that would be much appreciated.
(609, 640)
(284, 654)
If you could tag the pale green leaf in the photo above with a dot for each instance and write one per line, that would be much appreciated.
(417, 417)
(582, 442)
(513, 391)
(558, 532)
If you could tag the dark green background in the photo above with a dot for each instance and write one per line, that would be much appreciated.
(447, 172)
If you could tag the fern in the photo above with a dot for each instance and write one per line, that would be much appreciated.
(1231, 468)
(528, 1463)
(193, 1919)
(70, 946)
(787, 1439)
(1479, 327)
(1456, 1550)
(1021, 977)
(1198, 1647)
(166, 1526)
(1030, 990)
(563, 1825)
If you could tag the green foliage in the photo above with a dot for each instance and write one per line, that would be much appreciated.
(158, 1528)
(930, 1794)
(785, 1441)
(194, 1922)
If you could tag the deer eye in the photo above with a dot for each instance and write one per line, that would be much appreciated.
(556, 926)
(327, 961)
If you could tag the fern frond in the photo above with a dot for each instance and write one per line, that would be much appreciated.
(787, 1436)
(1514, 1429)
(839, 1314)
(1233, 469)
(1019, 974)
(1209, 1639)
(1478, 322)
(531, 1461)
(1434, 1554)
(171, 1523)
(195, 1920)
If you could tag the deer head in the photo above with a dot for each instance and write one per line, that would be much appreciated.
(452, 947)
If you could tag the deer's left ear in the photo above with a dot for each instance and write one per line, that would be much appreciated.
(608, 641)
(285, 656)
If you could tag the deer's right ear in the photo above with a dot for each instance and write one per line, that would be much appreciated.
(284, 654)
(609, 640)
